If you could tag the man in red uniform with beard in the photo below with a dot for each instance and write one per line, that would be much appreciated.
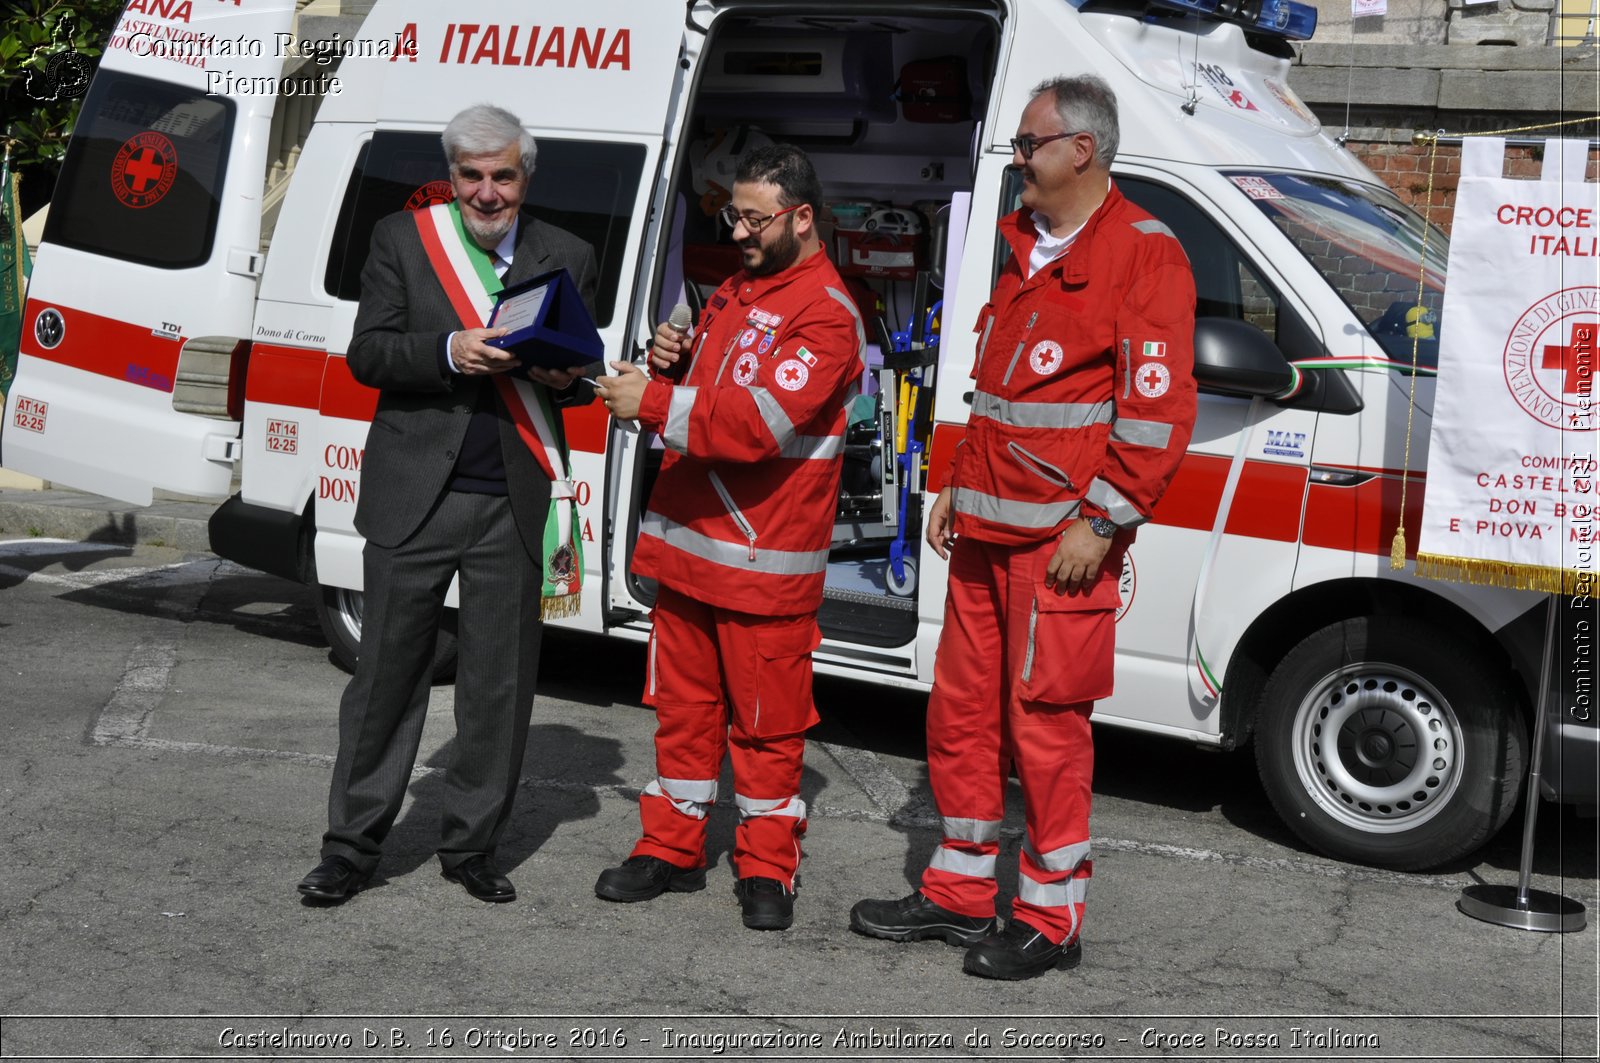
(1084, 404)
(737, 537)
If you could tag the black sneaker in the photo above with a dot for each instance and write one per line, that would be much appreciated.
(1020, 952)
(916, 918)
(643, 877)
(767, 904)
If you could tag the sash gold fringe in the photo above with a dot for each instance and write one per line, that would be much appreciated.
(1506, 574)
(567, 605)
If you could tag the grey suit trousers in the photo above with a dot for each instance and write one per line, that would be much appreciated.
(384, 706)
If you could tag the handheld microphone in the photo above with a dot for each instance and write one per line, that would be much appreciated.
(681, 320)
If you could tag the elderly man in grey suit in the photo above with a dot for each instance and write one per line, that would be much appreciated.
(448, 487)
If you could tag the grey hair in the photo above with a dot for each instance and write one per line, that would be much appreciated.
(1086, 104)
(484, 129)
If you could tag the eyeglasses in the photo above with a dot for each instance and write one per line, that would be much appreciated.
(755, 224)
(1027, 145)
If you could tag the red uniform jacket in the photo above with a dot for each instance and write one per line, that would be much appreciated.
(742, 514)
(1085, 395)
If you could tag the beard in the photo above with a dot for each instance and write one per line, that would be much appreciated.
(776, 256)
(488, 234)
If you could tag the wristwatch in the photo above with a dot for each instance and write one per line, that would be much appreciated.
(1103, 527)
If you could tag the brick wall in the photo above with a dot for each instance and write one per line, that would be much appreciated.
(1404, 167)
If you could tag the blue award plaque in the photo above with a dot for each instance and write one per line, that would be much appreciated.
(550, 326)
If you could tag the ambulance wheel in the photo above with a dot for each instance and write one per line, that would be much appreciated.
(339, 613)
(901, 588)
(1390, 742)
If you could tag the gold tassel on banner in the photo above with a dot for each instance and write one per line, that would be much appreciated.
(562, 608)
(1506, 574)
(1397, 548)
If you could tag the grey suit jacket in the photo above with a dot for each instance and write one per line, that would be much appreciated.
(402, 324)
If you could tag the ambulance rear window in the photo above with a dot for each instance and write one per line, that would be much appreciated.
(144, 172)
(586, 187)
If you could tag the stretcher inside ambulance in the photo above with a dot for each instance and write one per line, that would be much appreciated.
(205, 232)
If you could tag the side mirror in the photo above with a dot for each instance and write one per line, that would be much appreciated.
(1237, 358)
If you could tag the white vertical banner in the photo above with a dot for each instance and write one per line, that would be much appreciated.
(1512, 457)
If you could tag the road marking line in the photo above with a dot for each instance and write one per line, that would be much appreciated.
(139, 691)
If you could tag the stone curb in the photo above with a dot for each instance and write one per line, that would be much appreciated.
(59, 514)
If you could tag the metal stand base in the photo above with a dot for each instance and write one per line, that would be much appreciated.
(1549, 912)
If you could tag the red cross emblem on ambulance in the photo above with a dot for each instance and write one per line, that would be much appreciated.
(144, 169)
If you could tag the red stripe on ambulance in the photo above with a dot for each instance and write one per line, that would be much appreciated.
(106, 347)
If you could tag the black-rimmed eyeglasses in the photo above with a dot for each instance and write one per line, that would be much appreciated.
(1027, 145)
(754, 223)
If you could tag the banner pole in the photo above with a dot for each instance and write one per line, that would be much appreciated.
(1524, 908)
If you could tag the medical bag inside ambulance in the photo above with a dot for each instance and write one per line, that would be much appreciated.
(152, 245)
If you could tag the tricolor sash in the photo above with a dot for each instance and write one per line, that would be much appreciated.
(466, 273)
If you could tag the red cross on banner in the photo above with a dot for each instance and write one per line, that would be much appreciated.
(1575, 360)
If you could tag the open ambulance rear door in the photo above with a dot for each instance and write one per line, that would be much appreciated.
(152, 243)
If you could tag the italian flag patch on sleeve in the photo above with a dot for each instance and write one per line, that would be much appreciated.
(1154, 350)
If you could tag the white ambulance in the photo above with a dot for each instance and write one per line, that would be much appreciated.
(1390, 715)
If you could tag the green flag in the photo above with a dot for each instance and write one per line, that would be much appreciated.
(14, 269)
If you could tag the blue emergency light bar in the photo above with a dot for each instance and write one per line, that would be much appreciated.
(1288, 19)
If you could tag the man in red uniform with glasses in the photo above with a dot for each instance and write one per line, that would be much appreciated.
(1084, 404)
(737, 537)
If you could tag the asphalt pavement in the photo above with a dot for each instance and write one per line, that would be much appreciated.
(166, 730)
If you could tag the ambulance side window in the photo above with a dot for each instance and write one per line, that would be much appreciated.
(585, 187)
(1226, 283)
(144, 174)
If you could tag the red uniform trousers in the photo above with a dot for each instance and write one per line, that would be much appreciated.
(1018, 670)
(707, 665)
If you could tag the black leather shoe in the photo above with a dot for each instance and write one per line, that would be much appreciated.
(479, 877)
(643, 877)
(916, 918)
(1020, 952)
(335, 879)
(767, 903)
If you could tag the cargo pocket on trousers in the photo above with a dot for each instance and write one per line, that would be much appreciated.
(784, 702)
(1071, 650)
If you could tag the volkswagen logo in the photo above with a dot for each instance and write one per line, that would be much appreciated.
(49, 329)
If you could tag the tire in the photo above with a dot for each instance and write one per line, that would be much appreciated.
(339, 613)
(1341, 736)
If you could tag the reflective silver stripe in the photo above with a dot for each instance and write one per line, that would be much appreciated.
(1017, 514)
(813, 448)
(1141, 433)
(1052, 894)
(1041, 414)
(1066, 858)
(692, 797)
(1033, 627)
(652, 661)
(1026, 332)
(971, 830)
(1117, 507)
(959, 863)
(1151, 227)
(855, 315)
(775, 806)
(983, 343)
(676, 434)
(774, 416)
(734, 555)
